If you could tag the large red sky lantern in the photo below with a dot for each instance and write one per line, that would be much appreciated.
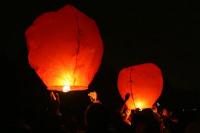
(143, 83)
(65, 49)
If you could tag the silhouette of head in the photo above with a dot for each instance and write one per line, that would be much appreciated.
(145, 122)
(96, 116)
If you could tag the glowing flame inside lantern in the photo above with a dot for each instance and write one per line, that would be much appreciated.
(64, 79)
(66, 88)
(139, 104)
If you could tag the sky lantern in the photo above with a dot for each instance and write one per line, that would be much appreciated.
(65, 49)
(143, 83)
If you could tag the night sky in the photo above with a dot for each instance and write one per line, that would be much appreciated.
(133, 32)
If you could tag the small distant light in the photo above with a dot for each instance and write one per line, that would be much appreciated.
(183, 110)
(158, 104)
(194, 109)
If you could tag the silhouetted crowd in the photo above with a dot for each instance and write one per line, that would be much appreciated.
(99, 119)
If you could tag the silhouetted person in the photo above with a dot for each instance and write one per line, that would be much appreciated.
(193, 127)
(145, 122)
(97, 118)
(121, 119)
(125, 111)
(170, 122)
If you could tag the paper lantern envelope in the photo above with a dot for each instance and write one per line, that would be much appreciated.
(143, 82)
(65, 49)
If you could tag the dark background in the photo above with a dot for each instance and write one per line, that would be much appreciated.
(133, 32)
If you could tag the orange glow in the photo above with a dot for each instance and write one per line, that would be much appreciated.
(64, 47)
(139, 104)
(144, 84)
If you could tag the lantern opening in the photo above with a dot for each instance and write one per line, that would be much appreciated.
(66, 88)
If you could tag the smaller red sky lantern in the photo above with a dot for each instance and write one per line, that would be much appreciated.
(65, 49)
(143, 83)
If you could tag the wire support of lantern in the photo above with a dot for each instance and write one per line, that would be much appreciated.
(131, 82)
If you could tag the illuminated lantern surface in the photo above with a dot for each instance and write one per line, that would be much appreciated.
(65, 49)
(143, 82)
